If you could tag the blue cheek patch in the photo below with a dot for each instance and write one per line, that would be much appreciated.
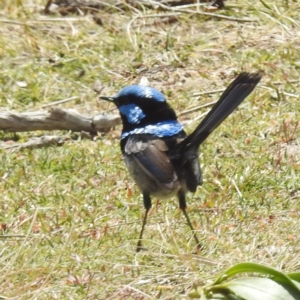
(133, 113)
(142, 92)
(161, 129)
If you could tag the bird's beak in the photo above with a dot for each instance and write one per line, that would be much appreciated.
(110, 99)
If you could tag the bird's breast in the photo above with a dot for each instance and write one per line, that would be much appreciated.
(147, 160)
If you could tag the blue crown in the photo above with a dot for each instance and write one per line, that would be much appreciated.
(141, 92)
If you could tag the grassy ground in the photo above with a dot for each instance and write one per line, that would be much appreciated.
(70, 216)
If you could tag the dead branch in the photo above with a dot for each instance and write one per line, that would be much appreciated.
(38, 142)
(56, 119)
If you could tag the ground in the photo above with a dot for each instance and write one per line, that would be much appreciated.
(70, 215)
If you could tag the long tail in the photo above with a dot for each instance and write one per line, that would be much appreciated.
(232, 97)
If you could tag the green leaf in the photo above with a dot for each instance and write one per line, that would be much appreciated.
(294, 276)
(277, 276)
(250, 288)
(277, 285)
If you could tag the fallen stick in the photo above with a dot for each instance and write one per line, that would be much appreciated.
(56, 119)
(38, 142)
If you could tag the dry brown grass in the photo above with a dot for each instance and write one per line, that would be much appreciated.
(71, 215)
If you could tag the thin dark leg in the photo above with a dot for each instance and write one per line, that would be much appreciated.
(147, 204)
(182, 205)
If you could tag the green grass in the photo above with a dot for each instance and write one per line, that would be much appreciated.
(70, 216)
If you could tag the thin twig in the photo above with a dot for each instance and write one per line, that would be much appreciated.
(179, 9)
(208, 92)
(236, 187)
(12, 236)
(60, 101)
(189, 111)
(280, 92)
(33, 22)
(287, 81)
(38, 142)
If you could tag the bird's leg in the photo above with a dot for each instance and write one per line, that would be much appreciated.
(147, 204)
(182, 205)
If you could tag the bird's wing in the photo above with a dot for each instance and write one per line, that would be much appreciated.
(148, 161)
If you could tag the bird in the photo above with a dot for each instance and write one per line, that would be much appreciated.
(160, 157)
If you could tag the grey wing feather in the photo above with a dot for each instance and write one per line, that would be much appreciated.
(150, 166)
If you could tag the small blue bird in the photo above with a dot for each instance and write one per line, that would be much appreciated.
(159, 155)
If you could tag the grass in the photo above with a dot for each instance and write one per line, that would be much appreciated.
(70, 216)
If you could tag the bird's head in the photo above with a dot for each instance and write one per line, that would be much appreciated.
(140, 106)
